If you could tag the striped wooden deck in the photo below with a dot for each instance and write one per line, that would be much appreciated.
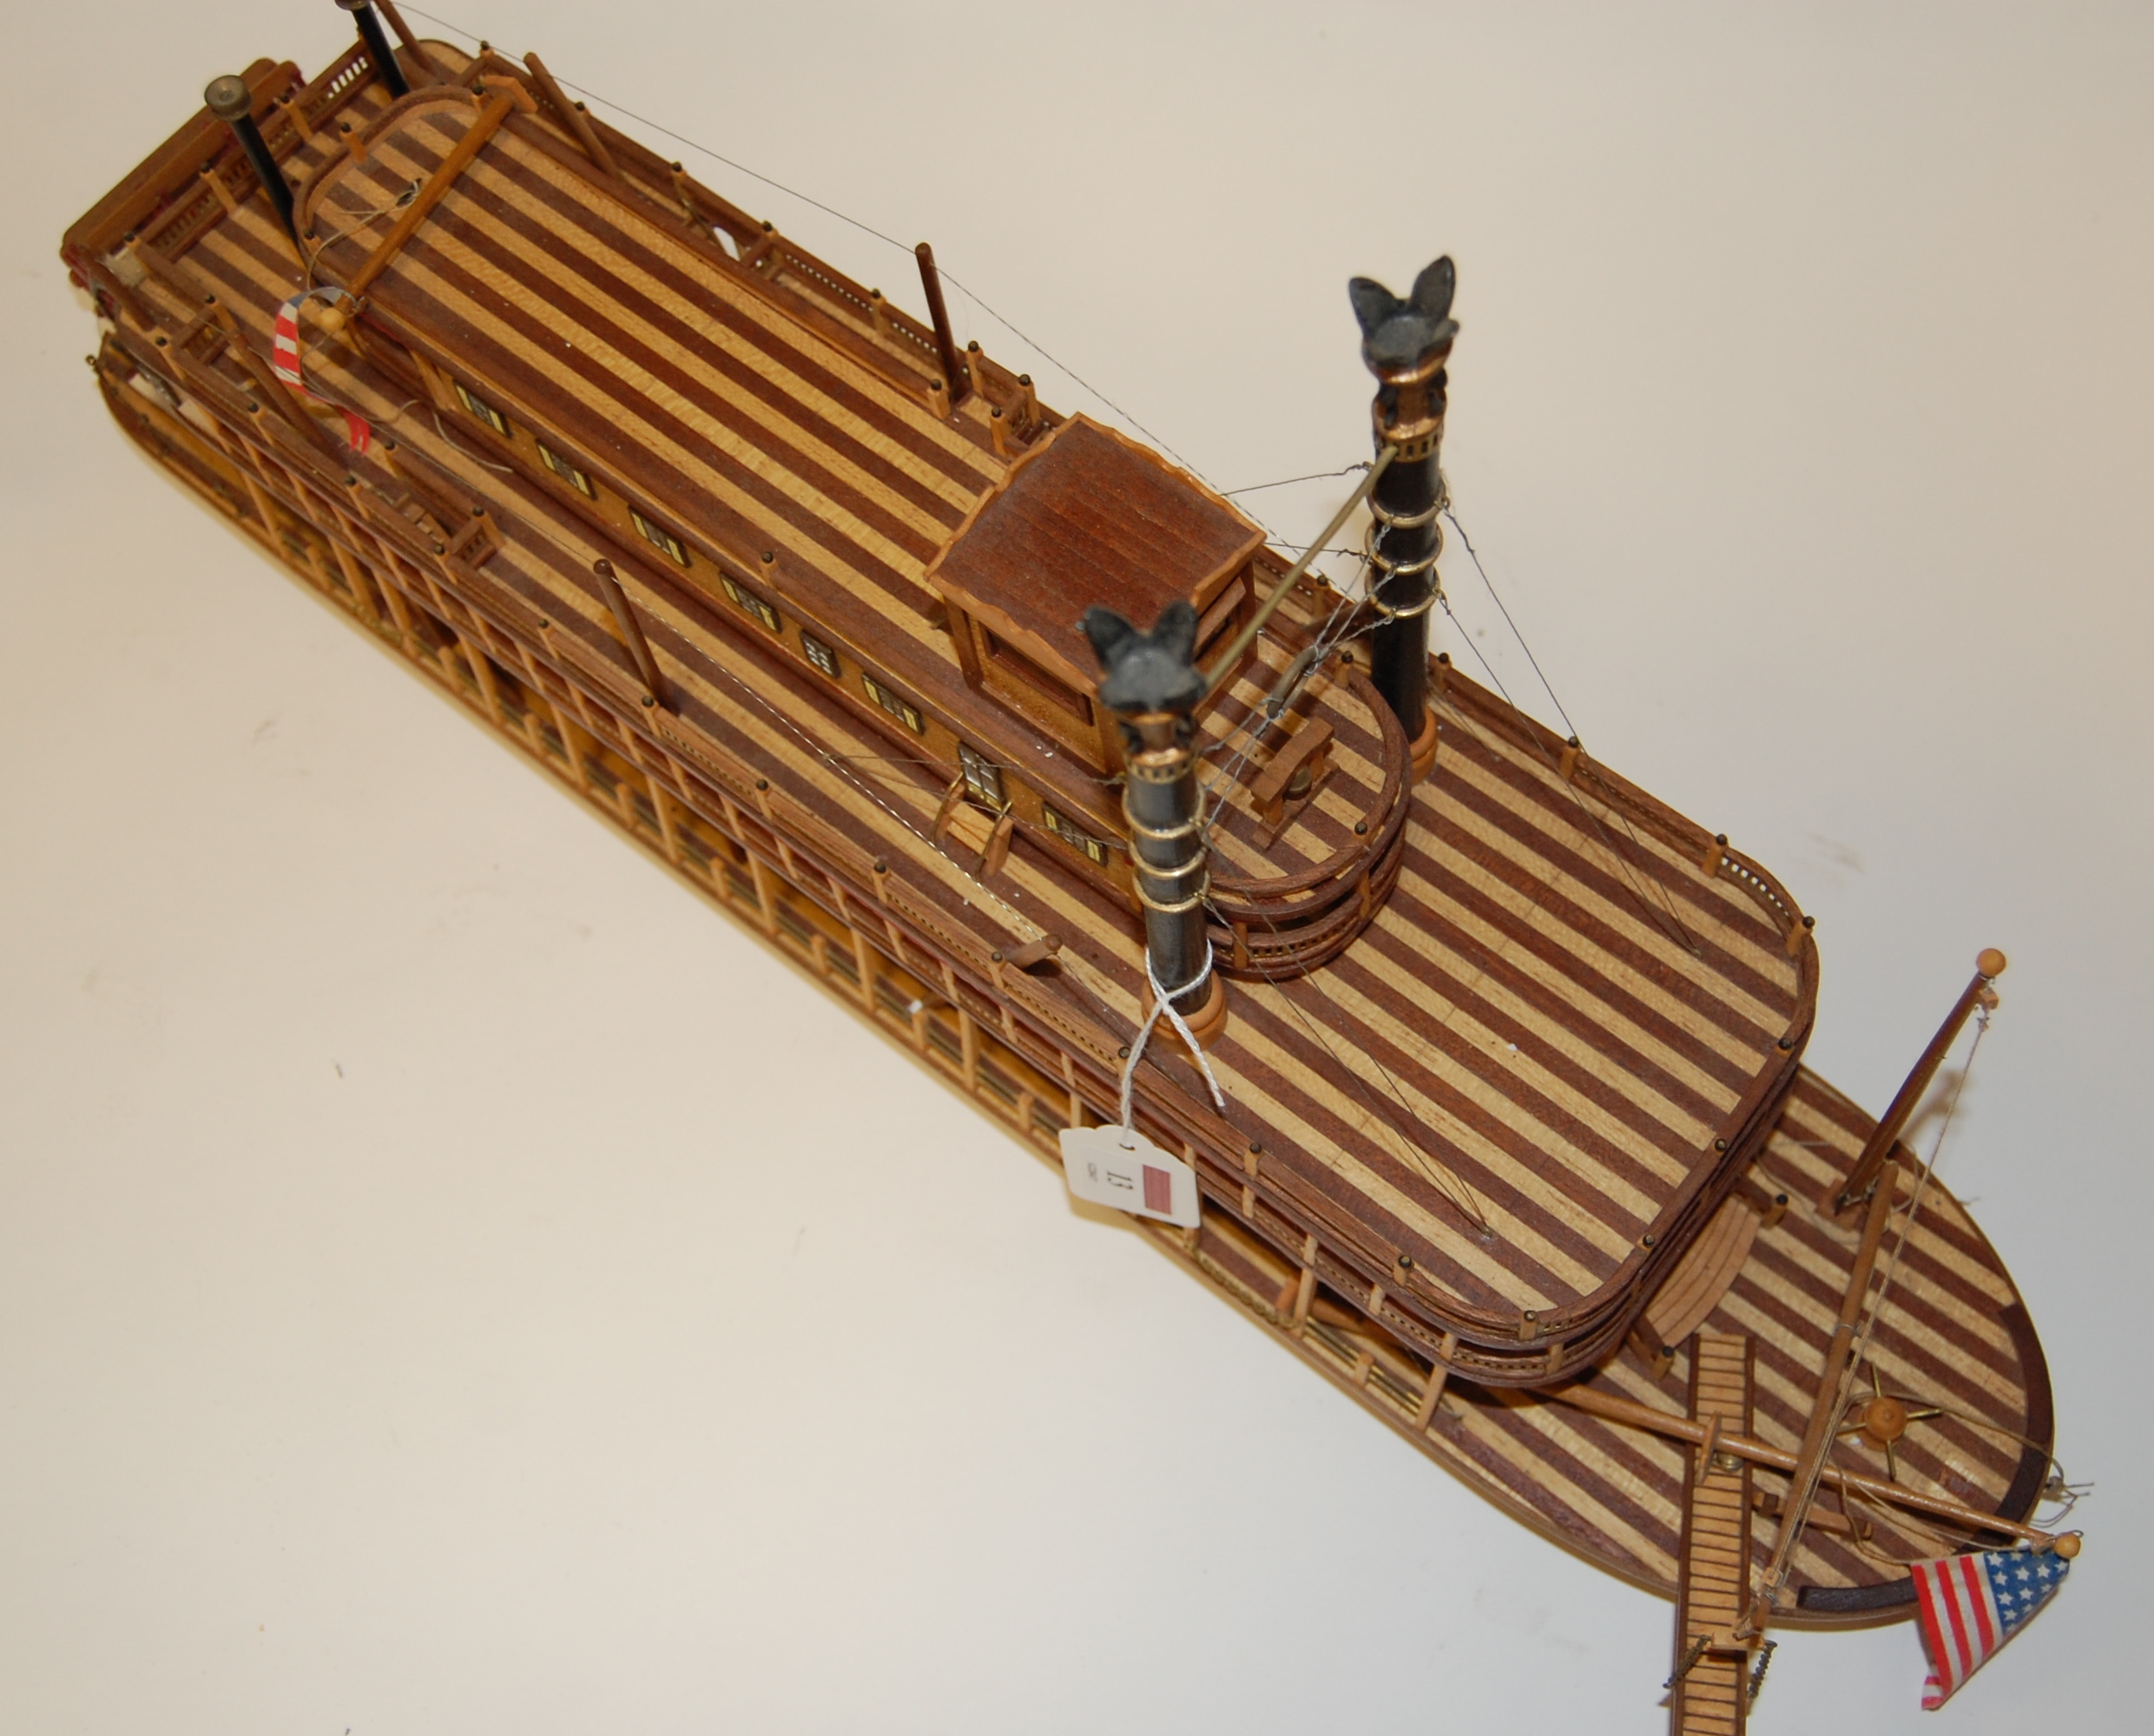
(1457, 1159)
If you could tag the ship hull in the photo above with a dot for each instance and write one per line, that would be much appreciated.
(1610, 1493)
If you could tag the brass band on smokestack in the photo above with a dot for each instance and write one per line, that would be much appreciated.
(232, 103)
(1153, 687)
(378, 49)
(1406, 344)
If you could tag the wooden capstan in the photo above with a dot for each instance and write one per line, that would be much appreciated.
(1406, 344)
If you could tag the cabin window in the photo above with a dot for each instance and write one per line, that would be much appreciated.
(819, 655)
(1074, 835)
(750, 604)
(484, 411)
(982, 776)
(660, 539)
(1008, 657)
(905, 713)
(567, 473)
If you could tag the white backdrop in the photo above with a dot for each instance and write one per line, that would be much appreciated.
(451, 1280)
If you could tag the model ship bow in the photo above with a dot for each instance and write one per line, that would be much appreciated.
(1473, 1076)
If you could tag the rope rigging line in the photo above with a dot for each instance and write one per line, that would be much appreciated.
(1679, 934)
(1438, 1176)
(1472, 553)
(1285, 482)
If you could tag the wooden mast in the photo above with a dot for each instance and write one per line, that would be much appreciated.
(1851, 1192)
(1819, 1434)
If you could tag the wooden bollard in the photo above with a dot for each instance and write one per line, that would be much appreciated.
(879, 311)
(938, 399)
(999, 426)
(1716, 853)
(1028, 404)
(976, 366)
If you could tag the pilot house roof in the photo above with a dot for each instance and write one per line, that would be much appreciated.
(1087, 518)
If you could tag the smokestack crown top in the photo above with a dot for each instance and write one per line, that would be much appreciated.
(1147, 671)
(228, 98)
(1399, 333)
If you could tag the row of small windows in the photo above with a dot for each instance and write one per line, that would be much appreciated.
(574, 475)
(983, 778)
(1073, 835)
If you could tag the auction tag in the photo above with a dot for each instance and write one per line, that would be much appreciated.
(1118, 1166)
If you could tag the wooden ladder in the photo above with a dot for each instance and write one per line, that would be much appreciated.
(1711, 1690)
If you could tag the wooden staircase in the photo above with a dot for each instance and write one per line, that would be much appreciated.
(1711, 1687)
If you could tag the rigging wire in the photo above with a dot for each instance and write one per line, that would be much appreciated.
(1438, 1176)
(1679, 934)
(1569, 728)
(1284, 482)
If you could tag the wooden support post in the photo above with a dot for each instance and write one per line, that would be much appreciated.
(354, 573)
(997, 851)
(577, 121)
(864, 961)
(879, 312)
(483, 673)
(577, 772)
(1305, 1291)
(946, 344)
(969, 1047)
(1439, 1377)
(765, 893)
(631, 630)
(976, 368)
(666, 831)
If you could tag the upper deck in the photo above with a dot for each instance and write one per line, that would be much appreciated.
(1538, 1020)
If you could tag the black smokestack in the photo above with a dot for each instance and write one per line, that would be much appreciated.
(378, 49)
(232, 103)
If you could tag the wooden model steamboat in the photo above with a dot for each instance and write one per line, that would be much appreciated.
(1517, 1147)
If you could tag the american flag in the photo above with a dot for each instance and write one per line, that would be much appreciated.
(1970, 1605)
(284, 361)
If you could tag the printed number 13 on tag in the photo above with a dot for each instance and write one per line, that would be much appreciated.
(1120, 1168)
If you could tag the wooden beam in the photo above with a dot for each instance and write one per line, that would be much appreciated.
(498, 108)
(1615, 1409)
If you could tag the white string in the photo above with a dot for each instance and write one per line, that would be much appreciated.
(1162, 1002)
